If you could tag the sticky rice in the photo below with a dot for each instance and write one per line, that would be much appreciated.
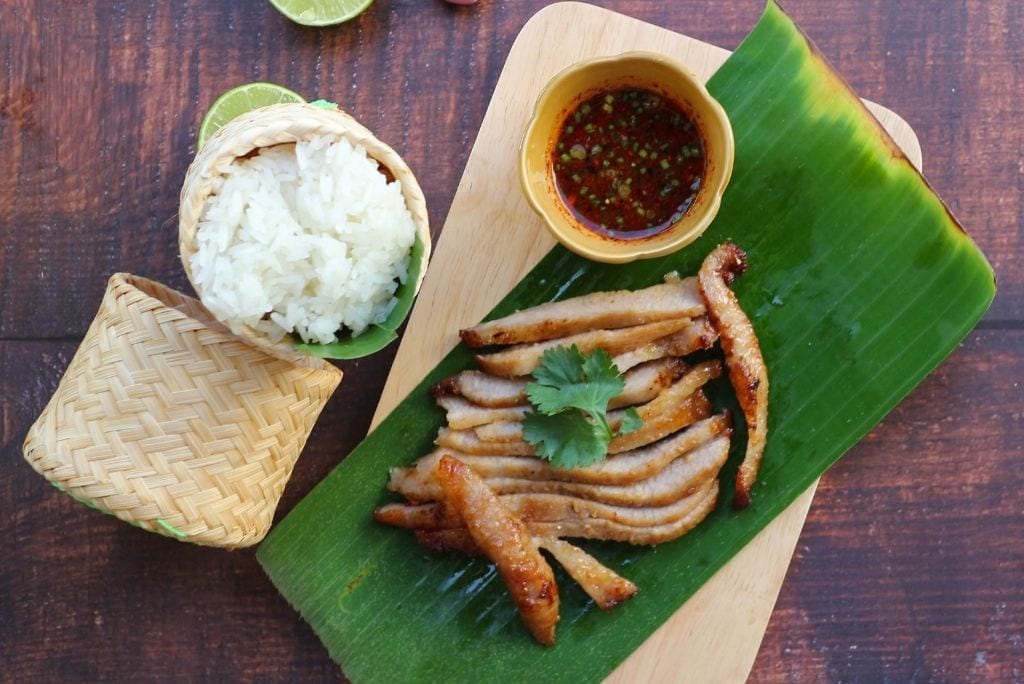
(309, 238)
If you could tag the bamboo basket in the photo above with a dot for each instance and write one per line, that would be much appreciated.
(281, 124)
(168, 421)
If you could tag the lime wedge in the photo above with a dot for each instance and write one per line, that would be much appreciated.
(320, 12)
(240, 100)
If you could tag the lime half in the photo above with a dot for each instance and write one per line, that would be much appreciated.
(320, 12)
(240, 100)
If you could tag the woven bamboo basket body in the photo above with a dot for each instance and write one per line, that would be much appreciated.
(282, 124)
(168, 421)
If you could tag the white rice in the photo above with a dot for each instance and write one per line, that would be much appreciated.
(307, 238)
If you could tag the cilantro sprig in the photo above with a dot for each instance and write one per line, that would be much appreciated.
(570, 395)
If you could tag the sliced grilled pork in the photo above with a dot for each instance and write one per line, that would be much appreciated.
(673, 299)
(674, 481)
(458, 539)
(522, 359)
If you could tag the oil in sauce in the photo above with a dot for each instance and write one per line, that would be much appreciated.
(628, 163)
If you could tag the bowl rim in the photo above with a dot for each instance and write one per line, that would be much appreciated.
(624, 251)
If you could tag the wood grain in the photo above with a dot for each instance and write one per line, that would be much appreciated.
(910, 567)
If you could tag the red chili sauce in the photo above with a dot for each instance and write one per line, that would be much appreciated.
(628, 163)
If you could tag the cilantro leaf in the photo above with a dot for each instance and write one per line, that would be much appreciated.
(631, 422)
(598, 364)
(560, 366)
(546, 399)
(566, 439)
(570, 393)
(567, 379)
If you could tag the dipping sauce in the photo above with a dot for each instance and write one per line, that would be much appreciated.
(628, 163)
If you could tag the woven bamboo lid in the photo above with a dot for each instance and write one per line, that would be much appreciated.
(276, 125)
(168, 421)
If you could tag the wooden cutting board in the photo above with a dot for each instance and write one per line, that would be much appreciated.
(492, 238)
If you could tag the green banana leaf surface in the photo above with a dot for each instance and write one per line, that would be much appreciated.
(860, 283)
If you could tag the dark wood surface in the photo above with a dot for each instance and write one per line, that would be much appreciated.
(911, 565)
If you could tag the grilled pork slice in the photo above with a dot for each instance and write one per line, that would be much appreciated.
(612, 531)
(648, 380)
(620, 469)
(680, 413)
(677, 479)
(463, 415)
(468, 442)
(660, 416)
(522, 359)
(482, 391)
(681, 404)
(458, 539)
(700, 334)
(507, 543)
(673, 299)
(505, 431)
(531, 508)
(747, 370)
(602, 584)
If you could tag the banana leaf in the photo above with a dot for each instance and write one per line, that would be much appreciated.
(860, 283)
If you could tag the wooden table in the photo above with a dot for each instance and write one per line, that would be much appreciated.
(911, 565)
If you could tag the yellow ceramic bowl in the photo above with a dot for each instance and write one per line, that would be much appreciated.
(584, 79)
